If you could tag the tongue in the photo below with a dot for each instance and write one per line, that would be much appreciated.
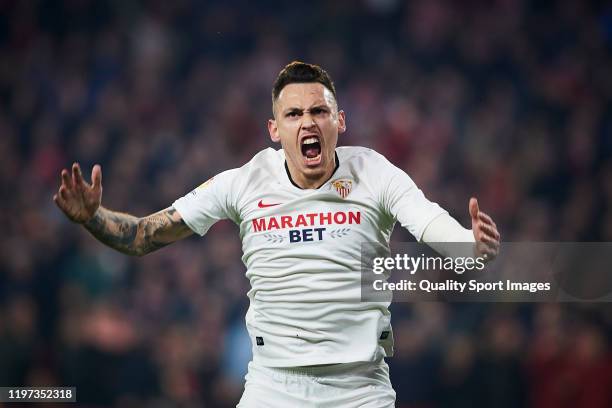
(312, 152)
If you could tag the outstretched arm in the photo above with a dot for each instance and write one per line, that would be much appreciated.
(80, 201)
(137, 236)
(444, 231)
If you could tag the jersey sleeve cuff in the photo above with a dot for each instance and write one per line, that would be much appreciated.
(435, 214)
(185, 215)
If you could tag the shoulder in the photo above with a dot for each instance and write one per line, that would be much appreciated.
(263, 168)
(234, 179)
(372, 167)
(362, 156)
(268, 155)
(266, 158)
(263, 163)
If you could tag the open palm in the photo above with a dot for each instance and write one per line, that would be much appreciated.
(78, 199)
(485, 231)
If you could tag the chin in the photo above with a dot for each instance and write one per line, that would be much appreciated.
(314, 172)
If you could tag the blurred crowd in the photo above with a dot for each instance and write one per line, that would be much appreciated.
(508, 100)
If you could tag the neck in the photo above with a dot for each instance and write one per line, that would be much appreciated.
(302, 181)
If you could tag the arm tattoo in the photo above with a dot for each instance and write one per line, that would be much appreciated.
(161, 229)
(137, 236)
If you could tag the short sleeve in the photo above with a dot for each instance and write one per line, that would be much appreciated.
(405, 202)
(210, 202)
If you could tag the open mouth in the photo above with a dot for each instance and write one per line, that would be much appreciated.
(311, 149)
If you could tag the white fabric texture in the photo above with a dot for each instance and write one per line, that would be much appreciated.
(442, 234)
(302, 251)
(355, 385)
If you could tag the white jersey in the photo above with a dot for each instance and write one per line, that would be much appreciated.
(302, 250)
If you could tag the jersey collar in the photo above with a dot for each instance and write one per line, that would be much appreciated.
(332, 175)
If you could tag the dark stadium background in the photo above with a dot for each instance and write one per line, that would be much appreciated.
(507, 100)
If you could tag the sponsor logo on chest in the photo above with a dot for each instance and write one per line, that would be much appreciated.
(308, 226)
(311, 226)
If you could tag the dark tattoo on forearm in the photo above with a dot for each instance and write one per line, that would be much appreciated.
(158, 229)
(114, 229)
(137, 236)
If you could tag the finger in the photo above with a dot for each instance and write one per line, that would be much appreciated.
(486, 218)
(78, 176)
(484, 248)
(489, 254)
(73, 175)
(488, 248)
(489, 229)
(96, 177)
(63, 193)
(483, 234)
(490, 241)
(66, 182)
(59, 201)
(473, 208)
(492, 251)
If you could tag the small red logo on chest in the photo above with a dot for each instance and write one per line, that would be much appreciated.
(261, 204)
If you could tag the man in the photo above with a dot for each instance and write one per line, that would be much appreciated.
(303, 212)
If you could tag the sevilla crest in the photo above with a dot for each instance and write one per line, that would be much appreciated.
(343, 187)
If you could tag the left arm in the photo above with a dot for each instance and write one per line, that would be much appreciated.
(445, 229)
(427, 221)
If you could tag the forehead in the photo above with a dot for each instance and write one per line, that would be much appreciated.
(302, 95)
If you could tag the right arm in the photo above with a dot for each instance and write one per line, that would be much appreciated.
(137, 236)
(80, 201)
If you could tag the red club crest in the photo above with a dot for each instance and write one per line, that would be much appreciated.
(343, 187)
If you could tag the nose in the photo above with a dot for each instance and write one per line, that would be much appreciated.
(307, 120)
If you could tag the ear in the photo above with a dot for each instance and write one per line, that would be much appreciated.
(273, 130)
(341, 122)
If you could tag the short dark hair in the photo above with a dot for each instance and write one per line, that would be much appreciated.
(301, 72)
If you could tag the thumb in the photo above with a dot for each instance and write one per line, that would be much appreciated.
(473, 208)
(96, 177)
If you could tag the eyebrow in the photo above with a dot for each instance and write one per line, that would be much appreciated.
(296, 109)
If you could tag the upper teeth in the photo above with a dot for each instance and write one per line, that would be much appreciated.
(310, 140)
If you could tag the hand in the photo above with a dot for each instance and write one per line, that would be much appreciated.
(485, 232)
(78, 199)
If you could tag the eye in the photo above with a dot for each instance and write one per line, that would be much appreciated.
(318, 111)
(292, 114)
